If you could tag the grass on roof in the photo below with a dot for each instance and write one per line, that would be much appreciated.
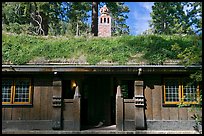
(148, 49)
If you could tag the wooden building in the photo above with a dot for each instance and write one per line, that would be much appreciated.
(76, 97)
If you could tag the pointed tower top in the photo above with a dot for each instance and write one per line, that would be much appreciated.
(104, 10)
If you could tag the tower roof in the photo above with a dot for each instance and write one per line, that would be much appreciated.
(104, 10)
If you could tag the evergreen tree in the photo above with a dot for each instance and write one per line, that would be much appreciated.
(194, 15)
(57, 18)
(170, 18)
(78, 16)
(119, 15)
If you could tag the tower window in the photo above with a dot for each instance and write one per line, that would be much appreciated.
(101, 20)
(104, 20)
(108, 20)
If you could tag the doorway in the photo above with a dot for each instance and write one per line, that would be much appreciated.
(97, 102)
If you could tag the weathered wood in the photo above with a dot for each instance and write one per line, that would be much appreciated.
(190, 114)
(156, 102)
(183, 113)
(129, 116)
(139, 105)
(49, 102)
(68, 109)
(57, 101)
(148, 97)
(26, 113)
(8, 113)
(76, 109)
(17, 113)
(119, 110)
(174, 113)
(138, 90)
(2, 112)
(43, 103)
(35, 112)
(129, 107)
(165, 113)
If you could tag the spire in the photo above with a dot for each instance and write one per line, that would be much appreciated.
(104, 10)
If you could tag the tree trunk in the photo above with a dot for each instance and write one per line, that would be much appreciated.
(77, 29)
(94, 25)
(44, 23)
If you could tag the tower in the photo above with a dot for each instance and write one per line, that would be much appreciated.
(104, 26)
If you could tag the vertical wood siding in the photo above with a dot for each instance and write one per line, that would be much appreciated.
(41, 108)
(154, 108)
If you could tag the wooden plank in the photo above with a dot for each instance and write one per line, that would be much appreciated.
(68, 110)
(17, 113)
(165, 113)
(139, 105)
(190, 114)
(173, 113)
(148, 97)
(36, 104)
(156, 102)
(129, 109)
(26, 113)
(7, 113)
(183, 113)
(119, 110)
(56, 114)
(49, 102)
(43, 102)
(2, 112)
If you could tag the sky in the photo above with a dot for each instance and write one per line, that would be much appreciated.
(138, 16)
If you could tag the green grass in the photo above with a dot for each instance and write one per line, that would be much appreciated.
(151, 49)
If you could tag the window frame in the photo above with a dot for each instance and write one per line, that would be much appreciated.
(197, 94)
(180, 92)
(11, 88)
(13, 92)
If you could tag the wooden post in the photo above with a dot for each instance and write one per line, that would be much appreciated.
(57, 104)
(76, 112)
(139, 105)
(119, 110)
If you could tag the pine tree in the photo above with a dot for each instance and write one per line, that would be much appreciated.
(170, 18)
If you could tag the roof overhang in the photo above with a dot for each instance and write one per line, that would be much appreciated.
(100, 69)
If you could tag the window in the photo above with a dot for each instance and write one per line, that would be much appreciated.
(104, 20)
(178, 91)
(16, 91)
(101, 20)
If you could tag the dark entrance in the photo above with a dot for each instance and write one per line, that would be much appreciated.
(97, 101)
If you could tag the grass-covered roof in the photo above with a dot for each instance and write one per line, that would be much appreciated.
(143, 49)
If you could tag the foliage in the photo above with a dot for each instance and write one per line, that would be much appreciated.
(58, 18)
(190, 56)
(194, 14)
(171, 18)
(77, 13)
(150, 49)
(119, 15)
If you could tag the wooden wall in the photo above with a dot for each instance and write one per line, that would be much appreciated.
(42, 104)
(154, 108)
